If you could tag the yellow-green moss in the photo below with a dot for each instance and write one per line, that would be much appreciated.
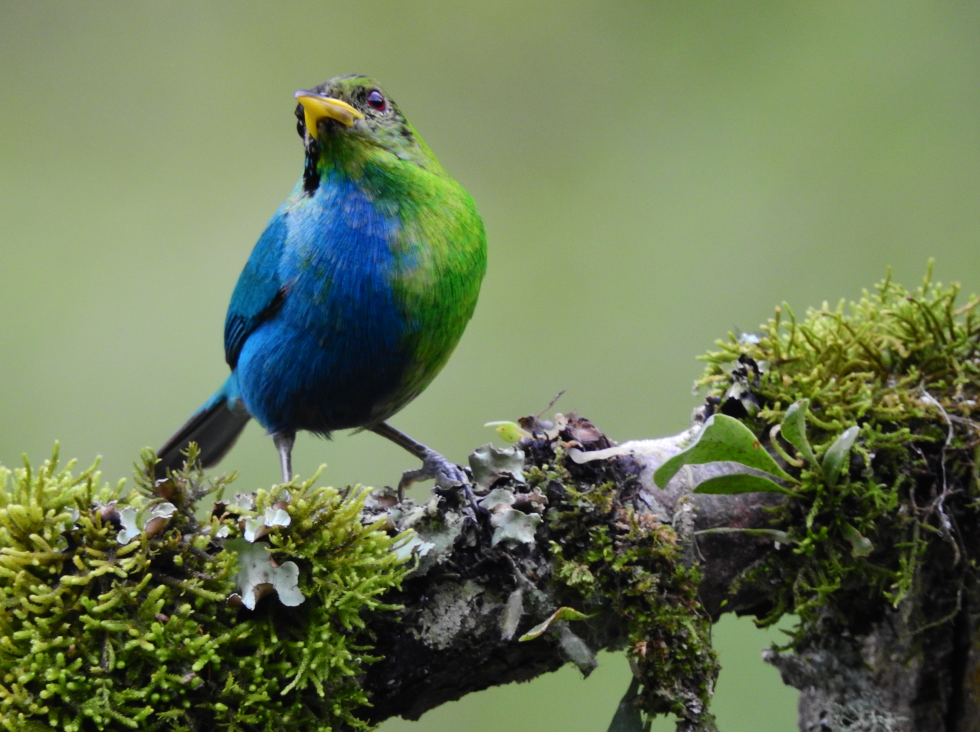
(97, 635)
(904, 367)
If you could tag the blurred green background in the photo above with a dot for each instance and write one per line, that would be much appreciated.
(651, 175)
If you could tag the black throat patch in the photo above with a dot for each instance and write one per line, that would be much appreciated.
(311, 178)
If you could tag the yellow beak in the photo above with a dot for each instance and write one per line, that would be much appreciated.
(317, 107)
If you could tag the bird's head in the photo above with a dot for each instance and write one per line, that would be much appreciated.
(350, 121)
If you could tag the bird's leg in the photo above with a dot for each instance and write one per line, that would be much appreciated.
(284, 444)
(434, 465)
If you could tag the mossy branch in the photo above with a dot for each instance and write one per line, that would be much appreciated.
(831, 474)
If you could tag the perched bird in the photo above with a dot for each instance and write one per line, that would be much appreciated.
(356, 293)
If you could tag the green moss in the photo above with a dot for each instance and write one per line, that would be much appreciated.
(903, 366)
(608, 556)
(99, 635)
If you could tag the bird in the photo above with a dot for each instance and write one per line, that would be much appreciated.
(356, 293)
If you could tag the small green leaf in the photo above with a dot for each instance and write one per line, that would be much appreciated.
(562, 613)
(740, 483)
(861, 546)
(837, 454)
(722, 439)
(793, 430)
(510, 432)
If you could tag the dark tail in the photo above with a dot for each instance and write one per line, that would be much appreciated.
(215, 428)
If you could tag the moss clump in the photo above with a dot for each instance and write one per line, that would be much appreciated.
(608, 556)
(96, 634)
(902, 366)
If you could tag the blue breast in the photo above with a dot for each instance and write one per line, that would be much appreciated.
(333, 355)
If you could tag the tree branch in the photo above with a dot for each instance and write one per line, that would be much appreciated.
(450, 638)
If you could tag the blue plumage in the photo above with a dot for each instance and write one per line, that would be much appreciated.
(330, 355)
(355, 294)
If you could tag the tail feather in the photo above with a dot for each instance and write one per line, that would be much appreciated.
(215, 428)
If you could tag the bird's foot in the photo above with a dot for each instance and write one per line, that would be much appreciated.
(447, 475)
(434, 466)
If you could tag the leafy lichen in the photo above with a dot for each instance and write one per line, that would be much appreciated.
(97, 634)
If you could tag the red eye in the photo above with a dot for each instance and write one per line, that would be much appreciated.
(377, 100)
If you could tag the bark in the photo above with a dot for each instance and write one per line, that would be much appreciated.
(904, 670)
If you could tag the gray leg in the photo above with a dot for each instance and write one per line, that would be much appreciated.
(284, 444)
(434, 465)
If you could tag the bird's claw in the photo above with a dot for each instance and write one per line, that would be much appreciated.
(434, 467)
(446, 475)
